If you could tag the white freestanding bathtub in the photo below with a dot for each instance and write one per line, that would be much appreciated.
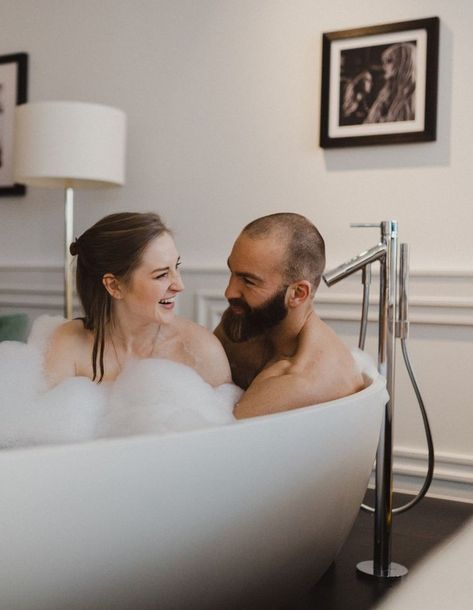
(230, 517)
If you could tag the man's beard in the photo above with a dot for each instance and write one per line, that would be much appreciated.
(254, 321)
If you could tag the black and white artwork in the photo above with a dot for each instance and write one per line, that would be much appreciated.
(379, 84)
(13, 82)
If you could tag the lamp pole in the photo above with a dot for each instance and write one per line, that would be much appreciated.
(68, 233)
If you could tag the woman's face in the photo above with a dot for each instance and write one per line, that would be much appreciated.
(390, 64)
(153, 286)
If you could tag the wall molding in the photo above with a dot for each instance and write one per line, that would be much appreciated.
(437, 296)
(48, 267)
(417, 273)
(452, 311)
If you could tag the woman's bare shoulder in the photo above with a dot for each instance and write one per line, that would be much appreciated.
(198, 336)
(192, 330)
(73, 330)
(207, 349)
(66, 347)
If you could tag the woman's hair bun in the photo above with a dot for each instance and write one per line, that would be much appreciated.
(74, 248)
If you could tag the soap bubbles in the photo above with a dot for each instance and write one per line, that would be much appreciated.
(151, 396)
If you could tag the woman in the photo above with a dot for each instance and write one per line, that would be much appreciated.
(355, 98)
(396, 99)
(127, 280)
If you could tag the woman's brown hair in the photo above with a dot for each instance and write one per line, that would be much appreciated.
(113, 245)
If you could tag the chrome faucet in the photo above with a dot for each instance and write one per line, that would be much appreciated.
(392, 323)
(386, 252)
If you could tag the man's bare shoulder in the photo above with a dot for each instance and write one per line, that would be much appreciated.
(321, 369)
(326, 362)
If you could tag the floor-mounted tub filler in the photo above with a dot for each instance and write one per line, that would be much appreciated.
(393, 323)
(237, 516)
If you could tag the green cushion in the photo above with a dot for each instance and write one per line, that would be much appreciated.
(14, 327)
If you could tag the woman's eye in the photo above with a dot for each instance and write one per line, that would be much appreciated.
(159, 277)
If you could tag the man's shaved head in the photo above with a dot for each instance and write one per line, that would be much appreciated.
(305, 251)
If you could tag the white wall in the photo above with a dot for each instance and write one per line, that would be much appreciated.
(223, 99)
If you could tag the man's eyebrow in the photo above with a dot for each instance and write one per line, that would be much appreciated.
(246, 274)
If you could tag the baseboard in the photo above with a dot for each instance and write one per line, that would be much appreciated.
(453, 474)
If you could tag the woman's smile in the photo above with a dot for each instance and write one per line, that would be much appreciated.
(155, 284)
(168, 303)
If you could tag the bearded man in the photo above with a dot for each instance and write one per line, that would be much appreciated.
(281, 353)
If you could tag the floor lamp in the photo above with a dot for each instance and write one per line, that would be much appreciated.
(70, 145)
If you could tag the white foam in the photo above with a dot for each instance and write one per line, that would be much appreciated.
(157, 396)
(149, 397)
(365, 363)
(21, 377)
(42, 329)
(152, 396)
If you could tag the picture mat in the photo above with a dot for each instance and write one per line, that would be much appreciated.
(337, 46)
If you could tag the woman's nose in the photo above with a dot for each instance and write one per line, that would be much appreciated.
(177, 283)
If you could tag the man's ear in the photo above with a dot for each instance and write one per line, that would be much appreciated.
(112, 286)
(299, 292)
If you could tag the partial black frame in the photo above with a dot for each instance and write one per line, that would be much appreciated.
(21, 61)
(429, 133)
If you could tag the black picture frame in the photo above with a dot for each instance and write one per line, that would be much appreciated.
(379, 84)
(13, 91)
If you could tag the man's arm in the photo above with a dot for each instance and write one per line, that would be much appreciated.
(278, 388)
(289, 384)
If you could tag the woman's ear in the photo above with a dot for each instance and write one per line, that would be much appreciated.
(299, 292)
(112, 286)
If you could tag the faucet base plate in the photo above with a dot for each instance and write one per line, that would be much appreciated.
(395, 570)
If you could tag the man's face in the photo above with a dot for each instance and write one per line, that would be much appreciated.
(242, 322)
(255, 292)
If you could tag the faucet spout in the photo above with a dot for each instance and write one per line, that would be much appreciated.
(355, 264)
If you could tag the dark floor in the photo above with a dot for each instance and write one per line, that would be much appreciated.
(414, 534)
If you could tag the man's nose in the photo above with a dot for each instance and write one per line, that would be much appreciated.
(233, 290)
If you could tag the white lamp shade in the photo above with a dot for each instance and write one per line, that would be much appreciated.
(69, 144)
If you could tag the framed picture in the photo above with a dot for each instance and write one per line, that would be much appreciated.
(379, 84)
(13, 91)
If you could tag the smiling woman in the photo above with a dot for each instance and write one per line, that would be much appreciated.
(128, 279)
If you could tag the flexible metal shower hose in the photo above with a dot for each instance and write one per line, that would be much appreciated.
(428, 433)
